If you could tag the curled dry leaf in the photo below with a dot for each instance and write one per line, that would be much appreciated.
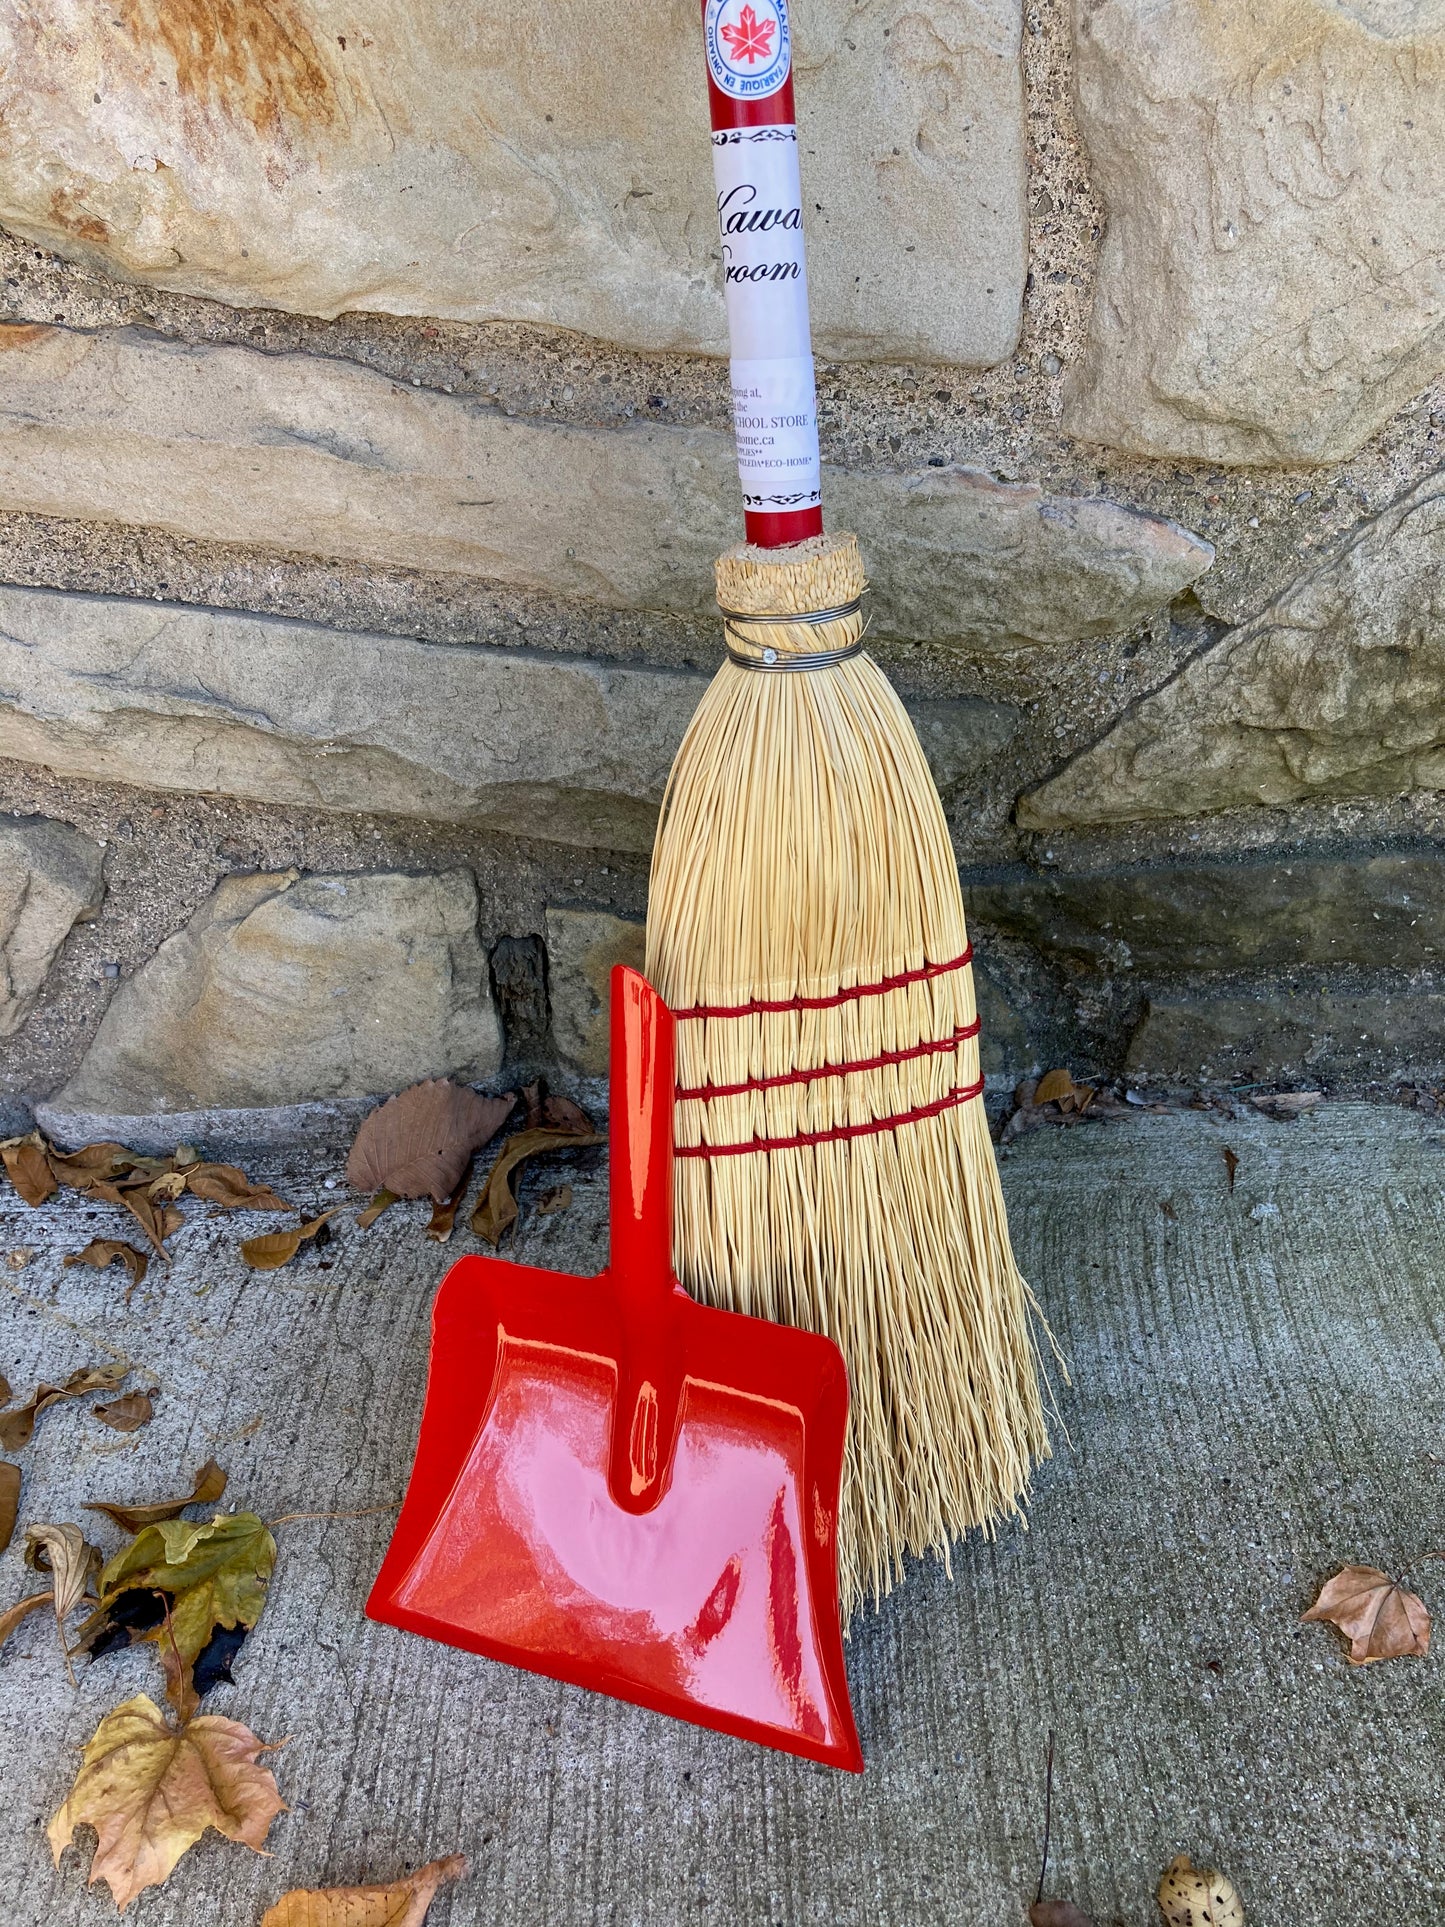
(127, 1414)
(1058, 1087)
(17, 1614)
(101, 1252)
(1231, 1165)
(402, 1904)
(18, 1427)
(559, 1198)
(1191, 1896)
(276, 1248)
(209, 1486)
(150, 1790)
(209, 1575)
(496, 1208)
(92, 1164)
(1057, 1913)
(156, 1220)
(1375, 1613)
(9, 1501)
(444, 1215)
(28, 1168)
(419, 1143)
(62, 1551)
(226, 1185)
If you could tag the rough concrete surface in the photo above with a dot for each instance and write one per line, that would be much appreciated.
(1257, 1399)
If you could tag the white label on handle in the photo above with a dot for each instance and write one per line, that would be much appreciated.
(760, 224)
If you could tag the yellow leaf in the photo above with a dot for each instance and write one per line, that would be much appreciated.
(212, 1574)
(150, 1790)
(403, 1904)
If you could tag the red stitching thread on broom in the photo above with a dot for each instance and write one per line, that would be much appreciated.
(764, 1006)
(931, 1047)
(839, 1131)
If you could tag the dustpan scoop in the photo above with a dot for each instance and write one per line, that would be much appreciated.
(619, 1487)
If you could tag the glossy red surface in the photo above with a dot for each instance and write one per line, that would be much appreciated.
(619, 1487)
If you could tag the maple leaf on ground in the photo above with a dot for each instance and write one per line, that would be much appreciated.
(1375, 1613)
(751, 39)
(403, 1903)
(209, 1576)
(150, 1790)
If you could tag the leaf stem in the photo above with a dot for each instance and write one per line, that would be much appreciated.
(1048, 1815)
(366, 1512)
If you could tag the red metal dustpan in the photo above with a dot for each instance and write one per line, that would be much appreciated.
(622, 1488)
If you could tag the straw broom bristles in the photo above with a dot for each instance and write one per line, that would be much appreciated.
(802, 852)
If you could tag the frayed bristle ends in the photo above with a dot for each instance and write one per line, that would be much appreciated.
(835, 1169)
(822, 573)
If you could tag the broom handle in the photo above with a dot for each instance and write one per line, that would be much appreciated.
(760, 224)
(640, 1132)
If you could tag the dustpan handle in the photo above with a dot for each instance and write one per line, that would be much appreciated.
(640, 1136)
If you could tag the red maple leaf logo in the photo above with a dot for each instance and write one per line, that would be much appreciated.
(750, 38)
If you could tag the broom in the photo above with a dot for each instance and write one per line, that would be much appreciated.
(834, 1167)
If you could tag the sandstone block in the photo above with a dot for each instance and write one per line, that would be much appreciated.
(323, 457)
(1259, 1034)
(50, 880)
(582, 947)
(1275, 913)
(544, 164)
(1336, 689)
(1269, 285)
(558, 747)
(282, 989)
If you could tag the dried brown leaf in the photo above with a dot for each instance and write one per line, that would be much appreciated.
(18, 1427)
(150, 1790)
(1058, 1087)
(226, 1185)
(9, 1501)
(418, 1143)
(402, 1904)
(444, 1215)
(1231, 1165)
(92, 1164)
(28, 1168)
(557, 1199)
(496, 1208)
(128, 1413)
(157, 1221)
(62, 1551)
(383, 1201)
(209, 1486)
(17, 1614)
(1191, 1896)
(101, 1252)
(1288, 1104)
(276, 1248)
(1057, 1913)
(561, 1114)
(1375, 1613)
(5, 1392)
(20, 1257)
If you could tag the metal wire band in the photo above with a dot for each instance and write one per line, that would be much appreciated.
(787, 661)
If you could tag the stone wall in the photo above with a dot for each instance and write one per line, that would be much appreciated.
(363, 454)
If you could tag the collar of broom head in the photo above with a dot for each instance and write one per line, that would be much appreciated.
(794, 602)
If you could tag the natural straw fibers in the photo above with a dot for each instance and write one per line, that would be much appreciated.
(803, 860)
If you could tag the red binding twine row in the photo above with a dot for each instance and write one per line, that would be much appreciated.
(761, 1006)
(839, 1132)
(930, 1047)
